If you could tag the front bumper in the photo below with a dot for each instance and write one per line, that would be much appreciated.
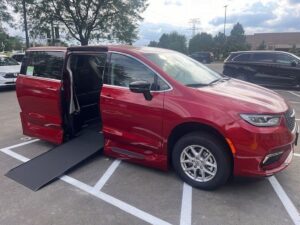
(254, 144)
(4, 82)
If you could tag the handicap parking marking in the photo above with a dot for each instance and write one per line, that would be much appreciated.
(93, 190)
(186, 205)
(286, 201)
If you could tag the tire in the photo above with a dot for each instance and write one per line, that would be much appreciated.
(218, 163)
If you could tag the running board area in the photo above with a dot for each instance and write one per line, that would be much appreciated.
(43, 169)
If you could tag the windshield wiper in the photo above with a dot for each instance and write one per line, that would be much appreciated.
(196, 85)
(225, 78)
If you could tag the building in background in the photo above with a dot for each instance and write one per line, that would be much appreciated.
(275, 41)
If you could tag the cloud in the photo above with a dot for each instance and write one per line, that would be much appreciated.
(256, 15)
(173, 2)
(152, 31)
(294, 1)
(288, 22)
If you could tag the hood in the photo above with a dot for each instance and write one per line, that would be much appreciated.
(10, 69)
(246, 97)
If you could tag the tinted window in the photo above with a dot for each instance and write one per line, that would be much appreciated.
(87, 71)
(263, 57)
(285, 59)
(19, 58)
(124, 70)
(242, 58)
(5, 61)
(43, 64)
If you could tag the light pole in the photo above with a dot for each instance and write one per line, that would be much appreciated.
(225, 19)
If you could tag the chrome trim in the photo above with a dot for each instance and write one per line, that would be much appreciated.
(293, 113)
(125, 54)
(271, 155)
(40, 78)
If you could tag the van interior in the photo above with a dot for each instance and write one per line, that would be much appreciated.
(85, 78)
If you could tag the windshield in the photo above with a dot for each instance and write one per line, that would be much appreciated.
(183, 68)
(6, 61)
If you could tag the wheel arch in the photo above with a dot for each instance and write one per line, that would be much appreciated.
(189, 127)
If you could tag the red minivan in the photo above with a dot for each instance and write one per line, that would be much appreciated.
(157, 107)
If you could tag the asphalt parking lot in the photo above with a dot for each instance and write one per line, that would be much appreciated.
(107, 191)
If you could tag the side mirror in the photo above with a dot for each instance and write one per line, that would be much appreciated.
(141, 87)
(294, 63)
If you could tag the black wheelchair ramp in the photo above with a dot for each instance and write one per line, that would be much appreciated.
(44, 168)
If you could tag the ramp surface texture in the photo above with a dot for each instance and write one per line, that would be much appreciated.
(44, 168)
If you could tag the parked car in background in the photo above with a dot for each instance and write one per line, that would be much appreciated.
(266, 68)
(18, 57)
(9, 70)
(203, 57)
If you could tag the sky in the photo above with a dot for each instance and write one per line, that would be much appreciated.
(255, 15)
(164, 16)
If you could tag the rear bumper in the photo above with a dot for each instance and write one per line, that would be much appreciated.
(255, 144)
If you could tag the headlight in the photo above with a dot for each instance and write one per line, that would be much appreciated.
(2, 74)
(262, 120)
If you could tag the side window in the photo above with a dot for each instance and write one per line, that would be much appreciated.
(43, 64)
(242, 58)
(264, 57)
(284, 59)
(124, 70)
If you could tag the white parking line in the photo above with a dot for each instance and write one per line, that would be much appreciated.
(115, 202)
(293, 93)
(91, 190)
(296, 154)
(287, 203)
(15, 155)
(293, 102)
(21, 144)
(101, 182)
(186, 205)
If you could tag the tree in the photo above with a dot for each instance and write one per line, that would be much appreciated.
(153, 44)
(172, 41)
(219, 45)
(21, 7)
(237, 39)
(8, 43)
(5, 17)
(262, 46)
(87, 20)
(201, 42)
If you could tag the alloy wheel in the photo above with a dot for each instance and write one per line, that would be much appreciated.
(198, 163)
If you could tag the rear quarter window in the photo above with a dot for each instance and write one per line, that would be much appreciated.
(43, 64)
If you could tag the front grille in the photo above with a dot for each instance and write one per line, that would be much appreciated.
(290, 119)
(11, 75)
